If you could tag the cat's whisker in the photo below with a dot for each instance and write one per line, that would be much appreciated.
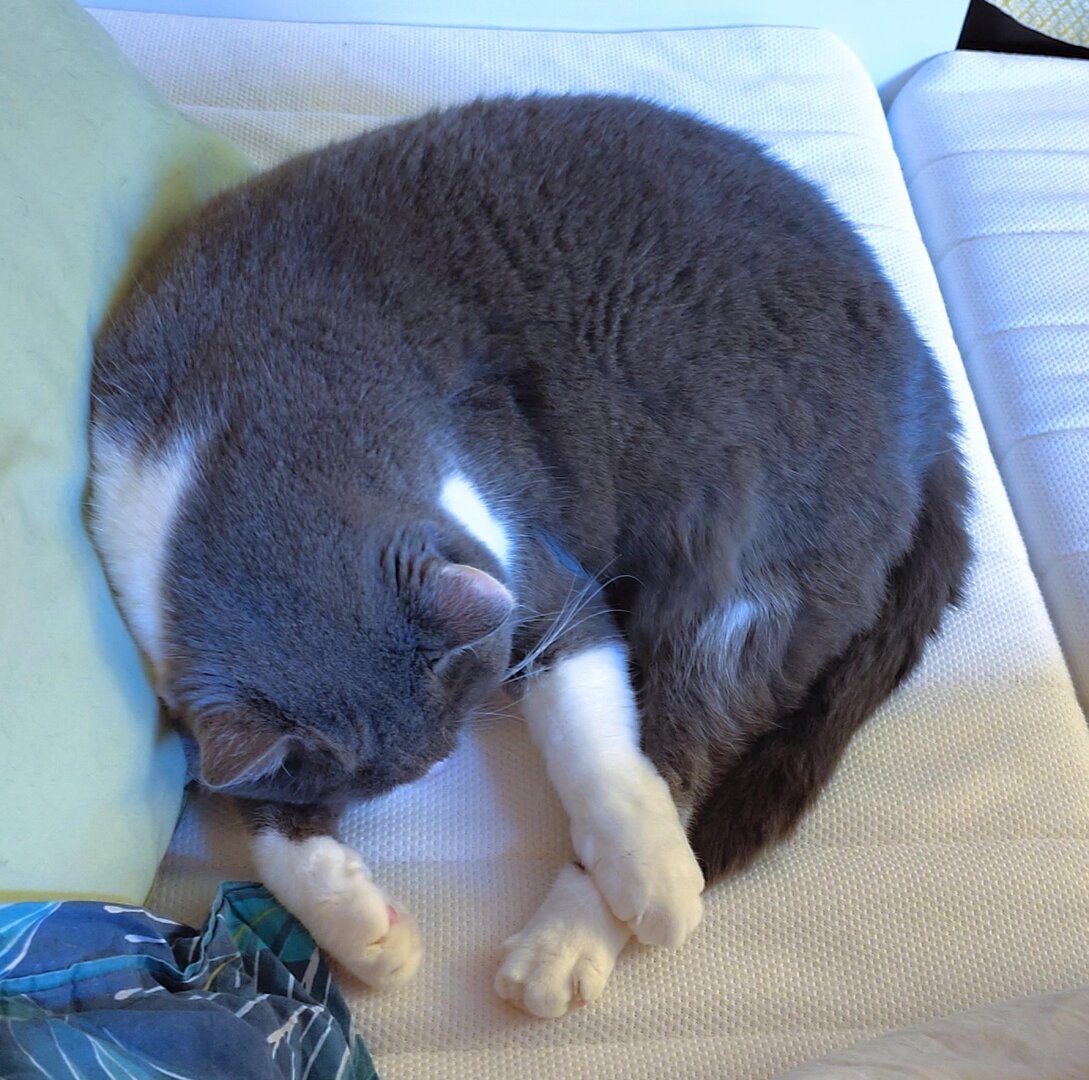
(563, 622)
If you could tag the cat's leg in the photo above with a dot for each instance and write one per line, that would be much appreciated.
(567, 951)
(325, 885)
(625, 827)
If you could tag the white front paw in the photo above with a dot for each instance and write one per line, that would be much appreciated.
(637, 852)
(390, 960)
(326, 886)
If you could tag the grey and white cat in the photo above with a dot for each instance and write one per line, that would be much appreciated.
(579, 395)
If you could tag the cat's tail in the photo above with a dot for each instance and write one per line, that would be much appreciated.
(760, 798)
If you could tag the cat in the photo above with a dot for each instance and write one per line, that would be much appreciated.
(577, 395)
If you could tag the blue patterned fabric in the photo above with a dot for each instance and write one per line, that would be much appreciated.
(100, 991)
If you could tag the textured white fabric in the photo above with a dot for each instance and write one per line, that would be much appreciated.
(996, 155)
(1036, 1038)
(947, 865)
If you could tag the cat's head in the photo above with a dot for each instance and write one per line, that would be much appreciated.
(343, 708)
(266, 498)
(314, 650)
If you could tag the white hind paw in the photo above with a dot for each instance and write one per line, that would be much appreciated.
(547, 975)
(565, 955)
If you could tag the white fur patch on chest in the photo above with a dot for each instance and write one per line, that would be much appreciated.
(135, 503)
(461, 500)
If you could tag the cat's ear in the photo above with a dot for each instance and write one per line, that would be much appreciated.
(233, 752)
(462, 604)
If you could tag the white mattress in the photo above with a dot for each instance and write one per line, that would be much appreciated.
(996, 156)
(947, 865)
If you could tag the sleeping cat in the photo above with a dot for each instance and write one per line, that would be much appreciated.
(578, 395)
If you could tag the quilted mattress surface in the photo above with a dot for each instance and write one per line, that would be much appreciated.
(996, 157)
(948, 863)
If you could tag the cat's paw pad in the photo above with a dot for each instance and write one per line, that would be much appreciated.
(546, 972)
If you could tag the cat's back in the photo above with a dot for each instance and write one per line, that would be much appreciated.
(605, 258)
(588, 215)
(495, 214)
(597, 186)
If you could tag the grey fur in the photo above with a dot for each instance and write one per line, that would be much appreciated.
(673, 369)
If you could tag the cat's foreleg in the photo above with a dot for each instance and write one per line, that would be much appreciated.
(626, 830)
(566, 952)
(326, 886)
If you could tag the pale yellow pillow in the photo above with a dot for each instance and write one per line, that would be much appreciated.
(93, 166)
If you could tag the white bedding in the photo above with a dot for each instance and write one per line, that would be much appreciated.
(996, 156)
(947, 865)
(1036, 1038)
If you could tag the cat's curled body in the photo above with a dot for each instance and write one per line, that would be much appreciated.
(575, 390)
